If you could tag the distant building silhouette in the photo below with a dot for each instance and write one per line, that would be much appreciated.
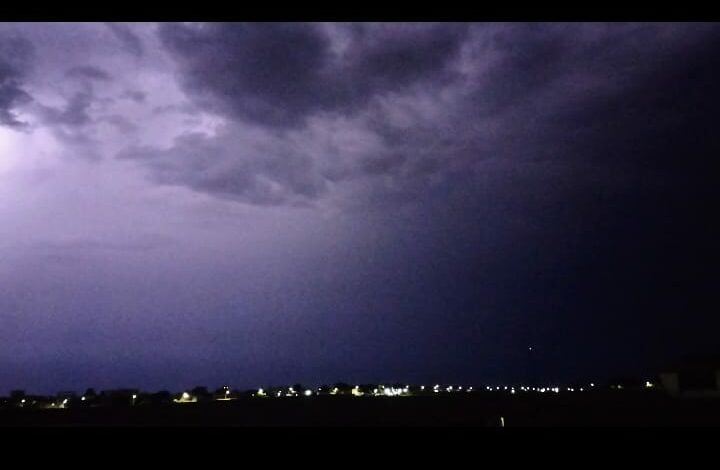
(698, 376)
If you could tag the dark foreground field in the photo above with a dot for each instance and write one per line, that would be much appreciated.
(477, 410)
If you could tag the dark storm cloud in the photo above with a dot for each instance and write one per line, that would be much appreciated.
(74, 113)
(129, 40)
(512, 91)
(15, 55)
(626, 118)
(279, 74)
(266, 72)
(135, 95)
(123, 124)
(385, 200)
(591, 150)
(88, 72)
(390, 57)
(232, 168)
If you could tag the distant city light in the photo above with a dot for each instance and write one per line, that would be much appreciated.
(357, 391)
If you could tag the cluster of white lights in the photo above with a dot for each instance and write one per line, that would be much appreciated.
(394, 392)
(291, 392)
(383, 390)
(185, 398)
(523, 388)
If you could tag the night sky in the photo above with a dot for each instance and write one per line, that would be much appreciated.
(256, 204)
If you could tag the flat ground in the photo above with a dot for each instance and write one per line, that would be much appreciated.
(476, 410)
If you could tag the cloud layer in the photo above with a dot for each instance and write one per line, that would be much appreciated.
(15, 53)
(354, 201)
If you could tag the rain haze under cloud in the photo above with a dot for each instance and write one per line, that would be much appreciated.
(186, 204)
